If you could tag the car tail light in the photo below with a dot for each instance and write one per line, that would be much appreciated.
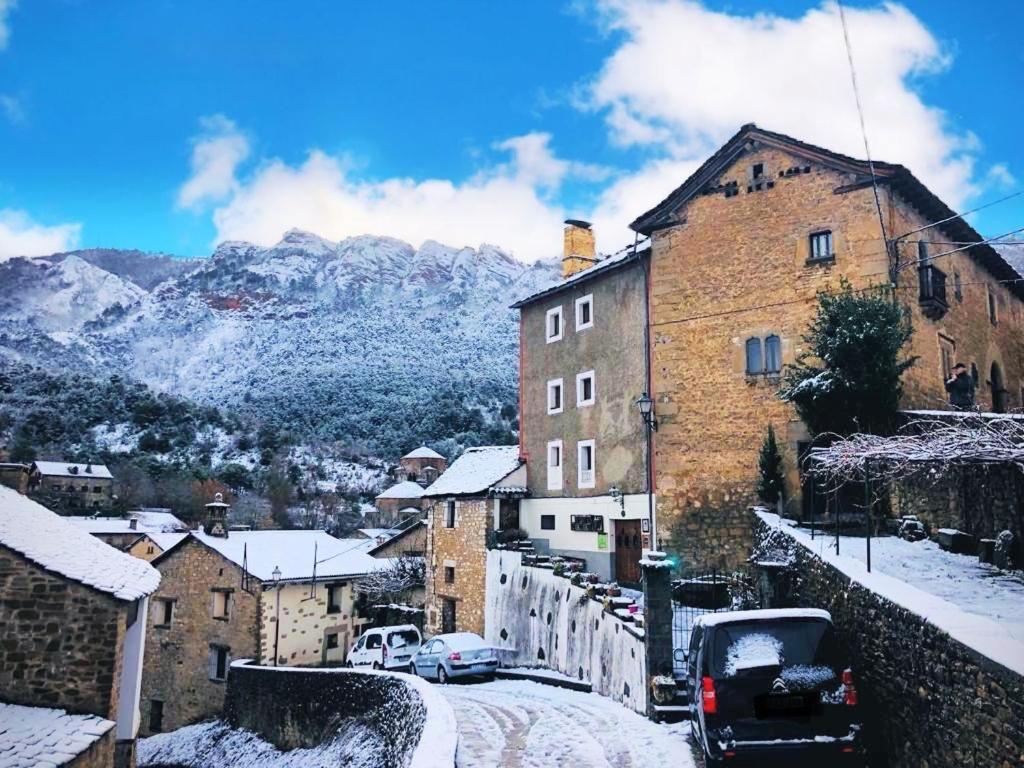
(849, 689)
(454, 656)
(709, 701)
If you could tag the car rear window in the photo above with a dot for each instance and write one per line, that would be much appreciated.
(403, 638)
(743, 648)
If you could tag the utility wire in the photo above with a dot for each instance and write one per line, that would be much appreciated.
(930, 259)
(948, 219)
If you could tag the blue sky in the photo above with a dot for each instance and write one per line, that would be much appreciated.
(170, 125)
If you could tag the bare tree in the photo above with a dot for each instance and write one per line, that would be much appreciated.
(391, 583)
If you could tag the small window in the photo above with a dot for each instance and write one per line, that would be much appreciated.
(555, 396)
(96, 489)
(757, 171)
(553, 325)
(821, 246)
(222, 605)
(332, 641)
(164, 612)
(555, 465)
(755, 364)
(449, 574)
(586, 464)
(156, 716)
(958, 287)
(150, 550)
(585, 389)
(772, 354)
(449, 513)
(584, 312)
(334, 598)
(993, 312)
(218, 662)
(547, 522)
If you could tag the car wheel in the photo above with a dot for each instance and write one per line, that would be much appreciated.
(412, 670)
(376, 665)
(442, 676)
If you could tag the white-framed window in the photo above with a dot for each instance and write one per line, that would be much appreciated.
(555, 465)
(553, 325)
(585, 312)
(585, 393)
(556, 396)
(586, 464)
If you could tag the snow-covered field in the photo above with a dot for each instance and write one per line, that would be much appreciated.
(520, 724)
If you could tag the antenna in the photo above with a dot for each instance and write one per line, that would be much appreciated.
(312, 585)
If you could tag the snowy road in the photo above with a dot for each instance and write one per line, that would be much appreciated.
(520, 724)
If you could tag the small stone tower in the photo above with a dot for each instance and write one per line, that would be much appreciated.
(216, 521)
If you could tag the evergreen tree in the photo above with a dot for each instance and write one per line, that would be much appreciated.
(848, 378)
(771, 486)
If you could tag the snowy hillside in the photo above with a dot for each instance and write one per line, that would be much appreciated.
(367, 341)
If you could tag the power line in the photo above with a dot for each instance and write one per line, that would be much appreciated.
(1018, 193)
(930, 259)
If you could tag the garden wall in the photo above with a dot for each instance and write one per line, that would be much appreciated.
(934, 701)
(293, 707)
(541, 620)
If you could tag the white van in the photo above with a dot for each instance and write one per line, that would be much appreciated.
(386, 648)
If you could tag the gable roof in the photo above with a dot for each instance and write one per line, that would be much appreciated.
(476, 471)
(398, 533)
(406, 489)
(423, 453)
(146, 522)
(39, 736)
(897, 177)
(56, 545)
(70, 469)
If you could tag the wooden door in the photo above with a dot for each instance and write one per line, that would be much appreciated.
(448, 619)
(628, 551)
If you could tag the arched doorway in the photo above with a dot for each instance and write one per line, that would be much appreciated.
(998, 389)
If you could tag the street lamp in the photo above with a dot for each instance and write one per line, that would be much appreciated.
(276, 576)
(618, 496)
(645, 405)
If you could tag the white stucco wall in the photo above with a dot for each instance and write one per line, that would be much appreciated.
(562, 538)
(305, 624)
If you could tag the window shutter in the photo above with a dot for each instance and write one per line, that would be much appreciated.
(754, 364)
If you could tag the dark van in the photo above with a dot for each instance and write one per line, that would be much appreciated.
(770, 687)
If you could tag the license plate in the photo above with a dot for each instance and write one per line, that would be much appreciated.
(783, 705)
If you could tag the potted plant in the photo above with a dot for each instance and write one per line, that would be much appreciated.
(614, 590)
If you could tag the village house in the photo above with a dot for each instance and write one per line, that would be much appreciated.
(422, 465)
(476, 496)
(280, 597)
(67, 486)
(73, 630)
(145, 534)
(397, 503)
(728, 286)
(15, 475)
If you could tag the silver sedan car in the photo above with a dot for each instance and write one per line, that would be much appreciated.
(460, 654)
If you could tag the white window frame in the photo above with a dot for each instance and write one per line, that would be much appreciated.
(555, 470)
(581, 480)
(552, 383)
(580, 378)
(554, 311)
(588, 299)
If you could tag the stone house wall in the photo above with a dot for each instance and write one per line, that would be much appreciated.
(62, 642)
(737, 268)
(388, 512)
(79, 492)
(177, 665)
(932, 702)
(101, 754)
(464, 548)
(412, 468)
(411, 544)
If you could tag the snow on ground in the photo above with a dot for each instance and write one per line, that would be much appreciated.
(520, 724)
(541, 672)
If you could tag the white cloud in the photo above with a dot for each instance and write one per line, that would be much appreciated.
(1001, 176)
(12, 109)
(6, 6)
(509, 204)
(216, 154)
(21, 236)
(685, 78)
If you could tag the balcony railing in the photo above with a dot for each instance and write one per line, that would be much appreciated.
(933, 291)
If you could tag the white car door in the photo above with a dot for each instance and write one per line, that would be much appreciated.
(358, 652)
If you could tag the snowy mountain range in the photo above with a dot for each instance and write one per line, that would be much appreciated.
(369, 340)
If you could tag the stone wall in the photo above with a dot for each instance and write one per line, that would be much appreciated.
(542, 620)
(293, 708)
(60, 641)
(933, 702)
(464, 548)
(100, 754)
(176, 670)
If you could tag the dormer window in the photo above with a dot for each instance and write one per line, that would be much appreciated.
(553, 325)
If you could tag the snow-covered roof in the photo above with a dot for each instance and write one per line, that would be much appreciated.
(768, 614)
(423, 453)
(293, 553)
(476, 471)
(59, 546)
(70, 469)
(166, 540)
(406, 489)
(146, 522)
(38, 736)
(373, 533)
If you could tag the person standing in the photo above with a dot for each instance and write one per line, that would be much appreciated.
(960, 387)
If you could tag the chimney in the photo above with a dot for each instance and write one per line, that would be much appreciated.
(216, 523)
(578, 247)
(133, 523)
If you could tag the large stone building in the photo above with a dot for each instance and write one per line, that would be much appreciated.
(476, 496)
(72, 639)
(67, 486)
(422, 465)
(738, 254)
(280, 597)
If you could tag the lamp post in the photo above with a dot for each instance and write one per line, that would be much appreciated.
(645, 405)
(620, 497)
(276, 576)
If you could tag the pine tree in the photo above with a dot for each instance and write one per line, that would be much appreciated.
(771, 486)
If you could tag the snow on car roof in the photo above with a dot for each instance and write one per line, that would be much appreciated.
(476, 470)
(51, 542)
(38, 736)
(732, 617)
(462, 641)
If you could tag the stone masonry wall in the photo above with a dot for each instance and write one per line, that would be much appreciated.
(99, 755)
(465, 548)
(60, 641)
(176, 670)
(936, 703)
